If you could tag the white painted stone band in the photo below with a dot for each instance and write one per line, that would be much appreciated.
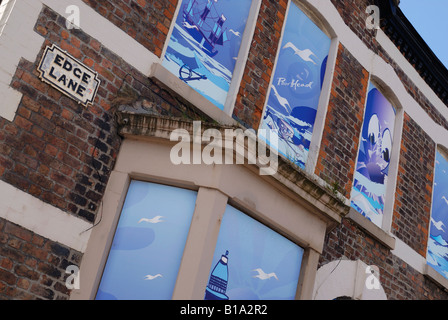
(45, 220)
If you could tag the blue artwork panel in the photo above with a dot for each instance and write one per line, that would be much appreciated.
(205, 43)
(437, 255)
(372, 168)
(252, 262)
(294, 95)
(148, 244)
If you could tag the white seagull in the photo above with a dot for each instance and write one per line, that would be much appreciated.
(237, 33)
(189, 26)
(150, 277)
(439, 224)
(283, 101)
(304, 54)
(446, 200)
(263, 275)
(153, 220)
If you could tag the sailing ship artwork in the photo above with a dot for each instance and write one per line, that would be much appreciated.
(295, 90)
(205, 43)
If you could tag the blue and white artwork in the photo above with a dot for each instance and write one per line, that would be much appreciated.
(296, 87)
(437, 255)
(147, 248)
(252, 262)
(205, 43)
(372, 169)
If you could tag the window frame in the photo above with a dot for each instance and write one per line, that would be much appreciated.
(429, 270)
(3, 8)
(325, 93)
(382, 233)
(213, 197)
(121, 215)
(243, 210)
(6, 7)
(201, 197)
(204, 104)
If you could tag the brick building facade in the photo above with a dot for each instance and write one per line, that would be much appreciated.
(65, 168)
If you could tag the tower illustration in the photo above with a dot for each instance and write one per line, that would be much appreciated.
(217, 284)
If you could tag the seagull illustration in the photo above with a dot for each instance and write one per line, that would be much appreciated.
(304, 54)
(446, 200)
(189, 26)
(263, 275)
(150, 277)
(153, 220)
(283, 101)
(439, 224)
(237, 33)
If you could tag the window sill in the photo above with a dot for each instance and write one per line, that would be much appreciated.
(379, 234)
(435, 276)
(160, 73)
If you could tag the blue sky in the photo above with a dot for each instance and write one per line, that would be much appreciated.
(429, 18)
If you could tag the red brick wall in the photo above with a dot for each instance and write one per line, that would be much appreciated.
(354, 15)
(32, 267)
(412, 210)
(399, 280)
(56, 149)
(147, 21)
(344, 119)
(410, 221)
(260, 63)
(63, 153)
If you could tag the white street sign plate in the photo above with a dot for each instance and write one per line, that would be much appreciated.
(70, 76)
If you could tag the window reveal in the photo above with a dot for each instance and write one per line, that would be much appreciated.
(296, 87)
(252, 262)
(205, 43)
(372, 168)
(146, 252)
(437, 256)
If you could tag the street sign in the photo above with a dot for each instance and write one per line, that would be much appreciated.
(70, 76)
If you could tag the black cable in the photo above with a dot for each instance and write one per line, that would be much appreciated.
(124, 81)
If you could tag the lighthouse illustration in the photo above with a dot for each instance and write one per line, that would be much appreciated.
(217, 284)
